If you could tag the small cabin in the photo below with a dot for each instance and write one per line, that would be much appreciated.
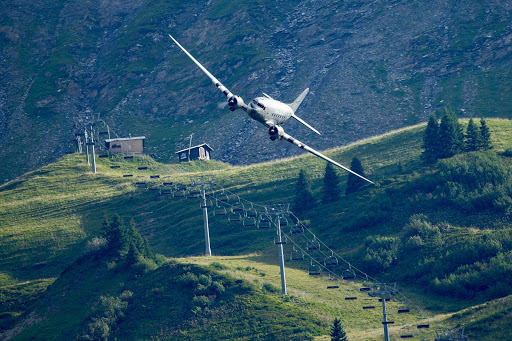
(201, 152)
(126, 145)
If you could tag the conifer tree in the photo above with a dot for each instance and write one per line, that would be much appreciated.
(303, 198)
(485, 135)
(114, 233)
(431, 139)
(337, 332)
(472, 137)
(134, 237)
(451, 135)
(330, 190)
(146, 250)
(133, 256)
(354, 182)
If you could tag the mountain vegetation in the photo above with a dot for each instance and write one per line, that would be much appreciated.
(372, 67)
(71, 267)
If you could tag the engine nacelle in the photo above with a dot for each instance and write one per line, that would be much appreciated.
(275, 132)
(235, 102)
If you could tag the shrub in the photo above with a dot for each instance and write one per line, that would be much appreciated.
(381, 252)
(217, 288)
(218, 266)
(202, 301)
(188, 279)
(270, 288)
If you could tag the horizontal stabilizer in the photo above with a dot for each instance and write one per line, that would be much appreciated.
(305, 123)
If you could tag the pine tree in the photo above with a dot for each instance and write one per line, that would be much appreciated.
(473, 140)
(331, 191)
(114, 233)
(431, 139)
(451, 135)
(354, 182)
(146, 250)
(337, 332)
(134, 237)
(303, 198)
(485, 135)
(133, 256)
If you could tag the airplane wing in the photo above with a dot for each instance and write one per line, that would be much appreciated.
(285, 136)
(233, 101)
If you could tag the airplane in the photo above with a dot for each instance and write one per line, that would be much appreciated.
(270, 112)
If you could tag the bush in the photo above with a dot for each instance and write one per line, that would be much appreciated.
(188, 279)
(381, 252)
(270, 288)
(414, 242)
(217, 288)
(202, 301)
(218, 266)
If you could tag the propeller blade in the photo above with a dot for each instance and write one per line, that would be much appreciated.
(222, 105)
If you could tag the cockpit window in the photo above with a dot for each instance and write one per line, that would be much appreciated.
(261, 105)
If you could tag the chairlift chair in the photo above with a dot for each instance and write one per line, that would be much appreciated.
(296, 255)
(403, 310)
(128, 157)
(264, 222)
(166, 191)
(314, 269)
(142, 168)
(219, 210)
(237, 208)
(141, 183)
(251, 213)
(154, 176)
(194, 194)
(115, 166)
(313, 245)
(406, 333)
(331, 261)
(234, 217)
(296, 229)
(167, 183)
(127, 175)
(348, 274)
(179, 194)
(103, 156)
(249, 221)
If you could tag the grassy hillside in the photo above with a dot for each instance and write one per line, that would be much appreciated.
(47, 217)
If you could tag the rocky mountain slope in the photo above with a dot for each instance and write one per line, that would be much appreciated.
(371, 65)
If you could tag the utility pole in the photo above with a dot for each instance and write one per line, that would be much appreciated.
(93, 155)
(204, 181)
(86, 147)
(383, 292)
(190, 146)
(279, 243)
(79, 144)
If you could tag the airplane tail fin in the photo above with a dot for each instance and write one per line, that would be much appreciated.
(299, 100)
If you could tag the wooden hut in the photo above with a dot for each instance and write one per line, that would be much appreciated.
(126, 145)
(200, 152)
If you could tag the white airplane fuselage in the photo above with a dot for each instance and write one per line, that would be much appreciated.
(268, 111)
